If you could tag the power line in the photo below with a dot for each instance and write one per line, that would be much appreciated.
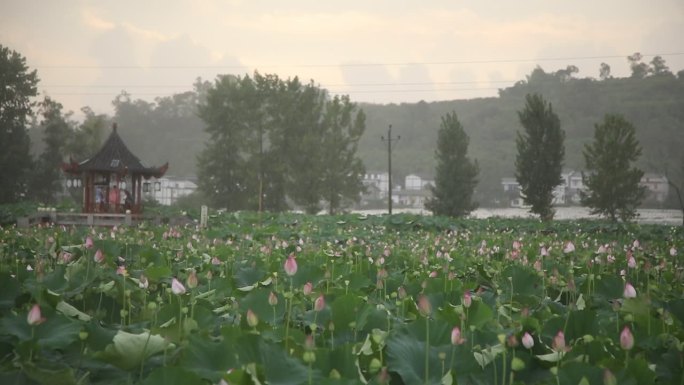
(324, 65)
(328, 85)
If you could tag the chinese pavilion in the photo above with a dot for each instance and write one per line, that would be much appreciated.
(112, 179)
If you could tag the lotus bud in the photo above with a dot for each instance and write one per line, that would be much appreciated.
(308, 288)
(456, 338)
(272, 299)
(424, 306)
(177, 287)
(34, 317)
(609, 378)
(192, 279)
(569, 247)
(319, 304)
(629, 291)
(252, 319)
(99, 256)
(626, 339)
(89, 242)
(527, 341)
(467, 299)
(559, 342)
(290, 265)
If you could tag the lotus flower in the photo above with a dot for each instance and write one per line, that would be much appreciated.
(99, 256)
(527, 341)
(272, 299)
(291, 265)
(252, 319)
(626, 339)
(467, 299)
(630, 291)
(89, 242)
(34, 317)
(456, 338)
(308, 288)
(673, 252)
(631, 263)
(177, 287)
(424, 306)
(192, 279)
(319, 304)
(569, 247)
(559, 342)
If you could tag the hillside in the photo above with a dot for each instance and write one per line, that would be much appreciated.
(655, 105)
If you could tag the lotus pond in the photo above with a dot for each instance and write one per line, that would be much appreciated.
(294, 299)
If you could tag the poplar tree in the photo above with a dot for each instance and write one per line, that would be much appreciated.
(17, 87)
(456, 174)
(539, 161)
(611, 180)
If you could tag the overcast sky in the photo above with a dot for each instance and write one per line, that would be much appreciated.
(87, 52)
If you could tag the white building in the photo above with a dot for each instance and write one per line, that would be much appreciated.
(657, 187)
(167, 190)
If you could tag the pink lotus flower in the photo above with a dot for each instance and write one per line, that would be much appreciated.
(89, 242)
(177, 287)
(626, 339)
(559, 342)
(424, 306)
(467, 299)
(252, 319)
(319, 304)
(544, 252)
(631, 263)
(517, 245)
(272, 299)
(192, 279)
(121, 270)
(308, 288)
(630, 291)
(34, 317)
(215, 261)
(456, 338)
(401, 292)
(291, 265)
(527, 341)
(99, 256)
(569, 247)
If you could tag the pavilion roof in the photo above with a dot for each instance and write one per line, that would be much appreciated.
(114, 157)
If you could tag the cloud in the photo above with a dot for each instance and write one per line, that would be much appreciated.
(93, 21)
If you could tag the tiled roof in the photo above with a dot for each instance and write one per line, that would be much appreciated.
(114, 156)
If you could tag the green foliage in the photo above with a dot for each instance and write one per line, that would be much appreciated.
(456, 174)
(104, 325)
(272, 139)
(540, 155)
(612, 180)
(57, 133)
(17, 86)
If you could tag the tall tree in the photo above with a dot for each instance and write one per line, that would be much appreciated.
(342, 170)
(17, 86)
(611, 179)
(541, 150)
(639, 68)
(456, 175)
(47, 176)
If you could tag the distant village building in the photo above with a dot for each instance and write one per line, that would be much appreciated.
(568, 192)
(414, 193)
(657, 187)
(169, 189)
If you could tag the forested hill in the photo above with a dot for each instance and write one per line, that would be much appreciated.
(654, 104)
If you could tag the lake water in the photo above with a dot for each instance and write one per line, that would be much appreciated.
(654, 216)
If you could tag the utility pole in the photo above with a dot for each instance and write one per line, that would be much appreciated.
(389, 164)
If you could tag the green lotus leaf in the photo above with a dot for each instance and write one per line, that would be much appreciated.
(49, 373)
(208, 358)
(128, 350)
(172, 375)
